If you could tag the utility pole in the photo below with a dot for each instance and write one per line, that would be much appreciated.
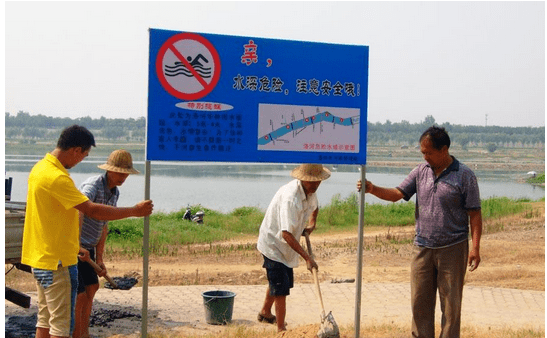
(486, 120)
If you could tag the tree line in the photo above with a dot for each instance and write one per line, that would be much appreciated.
(28, 127)
(24, 126)
(490, 137)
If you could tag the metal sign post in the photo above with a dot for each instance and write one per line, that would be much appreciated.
(145, 253)
(359, 273)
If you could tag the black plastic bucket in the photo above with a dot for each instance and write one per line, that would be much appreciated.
(219, 306)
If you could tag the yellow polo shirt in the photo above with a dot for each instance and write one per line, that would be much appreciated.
(51, 233)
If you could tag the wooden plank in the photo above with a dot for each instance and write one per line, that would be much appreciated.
(18, 298)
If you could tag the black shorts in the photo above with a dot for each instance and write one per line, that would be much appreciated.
(86, 274)
(280, 277)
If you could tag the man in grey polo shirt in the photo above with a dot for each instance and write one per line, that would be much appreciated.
(447, 202)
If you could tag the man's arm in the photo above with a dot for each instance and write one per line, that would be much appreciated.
(83, 254)
(312, 222)
(475, 220)
(295, 245)
(387, 194)
(99, 250)
(109, 213)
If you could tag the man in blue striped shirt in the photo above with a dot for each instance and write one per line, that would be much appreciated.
(99, 189)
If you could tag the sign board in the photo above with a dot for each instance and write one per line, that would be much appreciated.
(248, 99)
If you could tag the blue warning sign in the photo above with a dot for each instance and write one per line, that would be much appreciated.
(249, 99)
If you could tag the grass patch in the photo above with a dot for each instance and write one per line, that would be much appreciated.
(169, 231)
(502, 206)
(539, 179)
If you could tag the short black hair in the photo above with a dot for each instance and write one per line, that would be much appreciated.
(438, 136)
(76, 136)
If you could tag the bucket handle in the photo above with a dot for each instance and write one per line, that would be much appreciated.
(213, 297)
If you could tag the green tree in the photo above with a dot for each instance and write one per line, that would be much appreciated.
(429, 121)
(464, 140)
(32, 132)
(491, 147)
(113, 133)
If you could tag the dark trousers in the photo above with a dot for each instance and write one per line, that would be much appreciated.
(442, 269)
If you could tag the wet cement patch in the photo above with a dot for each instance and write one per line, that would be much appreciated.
(20, 326)
(105, 320)
(105, 317)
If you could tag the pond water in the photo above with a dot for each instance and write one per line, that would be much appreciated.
(226, 186)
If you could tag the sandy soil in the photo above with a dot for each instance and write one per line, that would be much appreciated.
(386, 257)
(512, 250)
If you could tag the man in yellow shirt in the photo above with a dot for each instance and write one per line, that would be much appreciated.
(51, 231)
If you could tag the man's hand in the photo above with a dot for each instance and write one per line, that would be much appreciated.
(310, 263)
(143, 208)
(368, 186)
(474, 260)
(308, 230)
(102, 273)
(100, 263)
(83, 255)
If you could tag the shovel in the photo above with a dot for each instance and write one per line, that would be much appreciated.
(98, 269)
(329, 328)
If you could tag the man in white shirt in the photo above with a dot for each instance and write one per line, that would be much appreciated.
(292, 211)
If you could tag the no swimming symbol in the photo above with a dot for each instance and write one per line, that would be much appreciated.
(188, 66)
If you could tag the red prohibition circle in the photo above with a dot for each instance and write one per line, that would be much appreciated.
(207, 87)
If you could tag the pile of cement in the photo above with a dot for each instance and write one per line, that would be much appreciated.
(124, 283)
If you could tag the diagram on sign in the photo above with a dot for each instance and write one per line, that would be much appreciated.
(308, 128)
(188, 66)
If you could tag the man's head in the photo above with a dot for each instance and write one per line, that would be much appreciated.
(76, 136)
(119, 165)
(310, 175)
(434, 145)
(74, 145)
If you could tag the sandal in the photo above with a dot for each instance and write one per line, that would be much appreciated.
(270, 320)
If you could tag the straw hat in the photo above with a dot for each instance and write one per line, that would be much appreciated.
(119, 161)
(311, 172)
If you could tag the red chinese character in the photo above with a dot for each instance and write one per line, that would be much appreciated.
(217, 106)
(249, 56)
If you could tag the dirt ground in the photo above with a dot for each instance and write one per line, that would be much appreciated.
(512, 252)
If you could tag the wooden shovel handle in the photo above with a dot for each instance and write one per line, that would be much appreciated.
(315, 277)
(99, 269)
